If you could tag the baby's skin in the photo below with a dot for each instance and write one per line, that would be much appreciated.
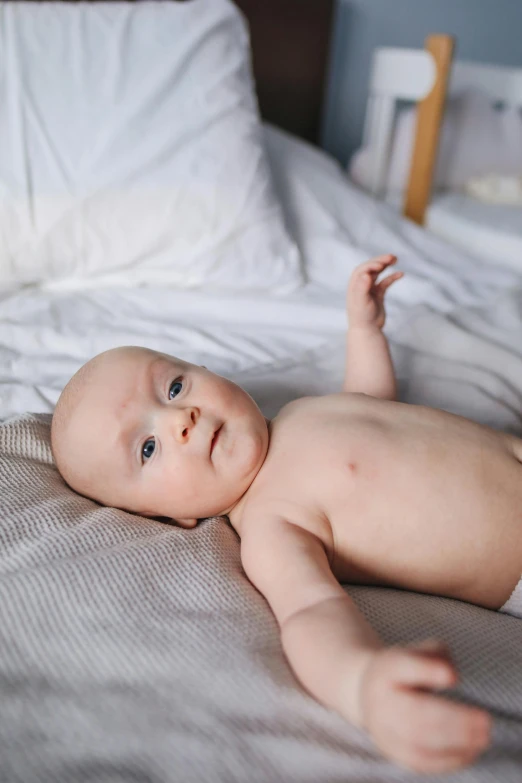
(351, 487)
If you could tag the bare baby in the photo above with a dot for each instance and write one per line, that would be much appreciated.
(352, 487)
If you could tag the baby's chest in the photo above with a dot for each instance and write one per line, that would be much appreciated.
(328, 462)
(320, 483)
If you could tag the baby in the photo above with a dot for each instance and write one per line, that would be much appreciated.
(349, 487)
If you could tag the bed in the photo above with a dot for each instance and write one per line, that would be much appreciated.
(131, 649)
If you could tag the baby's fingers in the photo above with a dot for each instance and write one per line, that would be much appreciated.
(421, 666)
(429, 669)
(443, 735)
(383, 285)
(378, 263)
(441, 724)
(373, 267)
(416, 727)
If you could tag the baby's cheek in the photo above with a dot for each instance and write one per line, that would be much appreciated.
(230, 395)
(177, 479)
(151, 491)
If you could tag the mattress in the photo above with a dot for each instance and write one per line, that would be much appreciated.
(135, 651)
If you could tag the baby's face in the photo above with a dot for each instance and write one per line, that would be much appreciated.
(162, 437)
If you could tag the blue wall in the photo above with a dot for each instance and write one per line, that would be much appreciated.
(486, 31)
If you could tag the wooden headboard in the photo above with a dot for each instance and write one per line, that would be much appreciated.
(291, 49)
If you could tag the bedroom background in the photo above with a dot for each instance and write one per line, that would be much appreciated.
(486, 30)
(133, 650)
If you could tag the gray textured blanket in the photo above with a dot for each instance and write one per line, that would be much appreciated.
(134, 651)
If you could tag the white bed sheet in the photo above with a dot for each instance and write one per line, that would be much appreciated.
(490, 231)
(454, 322)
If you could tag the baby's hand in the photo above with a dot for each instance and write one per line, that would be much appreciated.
(365, 297)
(411, 725)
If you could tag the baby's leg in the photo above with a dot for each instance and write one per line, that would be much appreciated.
(514, 603)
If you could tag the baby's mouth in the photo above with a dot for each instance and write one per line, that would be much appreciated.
(214, 439)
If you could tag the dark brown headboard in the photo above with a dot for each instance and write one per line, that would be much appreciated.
(291, 45)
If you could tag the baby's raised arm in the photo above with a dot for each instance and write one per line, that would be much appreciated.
(369, 367)
(341, 661)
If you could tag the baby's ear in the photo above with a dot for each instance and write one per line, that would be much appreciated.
(188, 523)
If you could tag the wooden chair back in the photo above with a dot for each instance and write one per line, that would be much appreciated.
(425, 76)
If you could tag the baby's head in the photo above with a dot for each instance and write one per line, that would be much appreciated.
(151, 434)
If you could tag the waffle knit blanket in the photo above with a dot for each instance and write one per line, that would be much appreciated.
(132, 650)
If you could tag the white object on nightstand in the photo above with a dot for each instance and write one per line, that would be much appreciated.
(496, 189)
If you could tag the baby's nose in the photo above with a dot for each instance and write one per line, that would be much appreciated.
(186, 419)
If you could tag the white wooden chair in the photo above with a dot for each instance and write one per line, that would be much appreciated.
(427, 77)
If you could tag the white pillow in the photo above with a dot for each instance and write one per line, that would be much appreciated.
(131, 150)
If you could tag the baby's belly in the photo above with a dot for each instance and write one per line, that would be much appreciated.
(437, 512)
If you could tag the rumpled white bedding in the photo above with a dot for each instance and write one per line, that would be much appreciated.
(140, 651)
(454, 322)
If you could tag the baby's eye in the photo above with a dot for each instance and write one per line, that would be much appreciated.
(148, 449)
(175, 389)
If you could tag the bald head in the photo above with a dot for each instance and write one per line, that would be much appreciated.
(138, 430)
(73, 404)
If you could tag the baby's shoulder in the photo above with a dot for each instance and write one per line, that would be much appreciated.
(305, 406)
(316, 409)
(295, 406)
(269, 510)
